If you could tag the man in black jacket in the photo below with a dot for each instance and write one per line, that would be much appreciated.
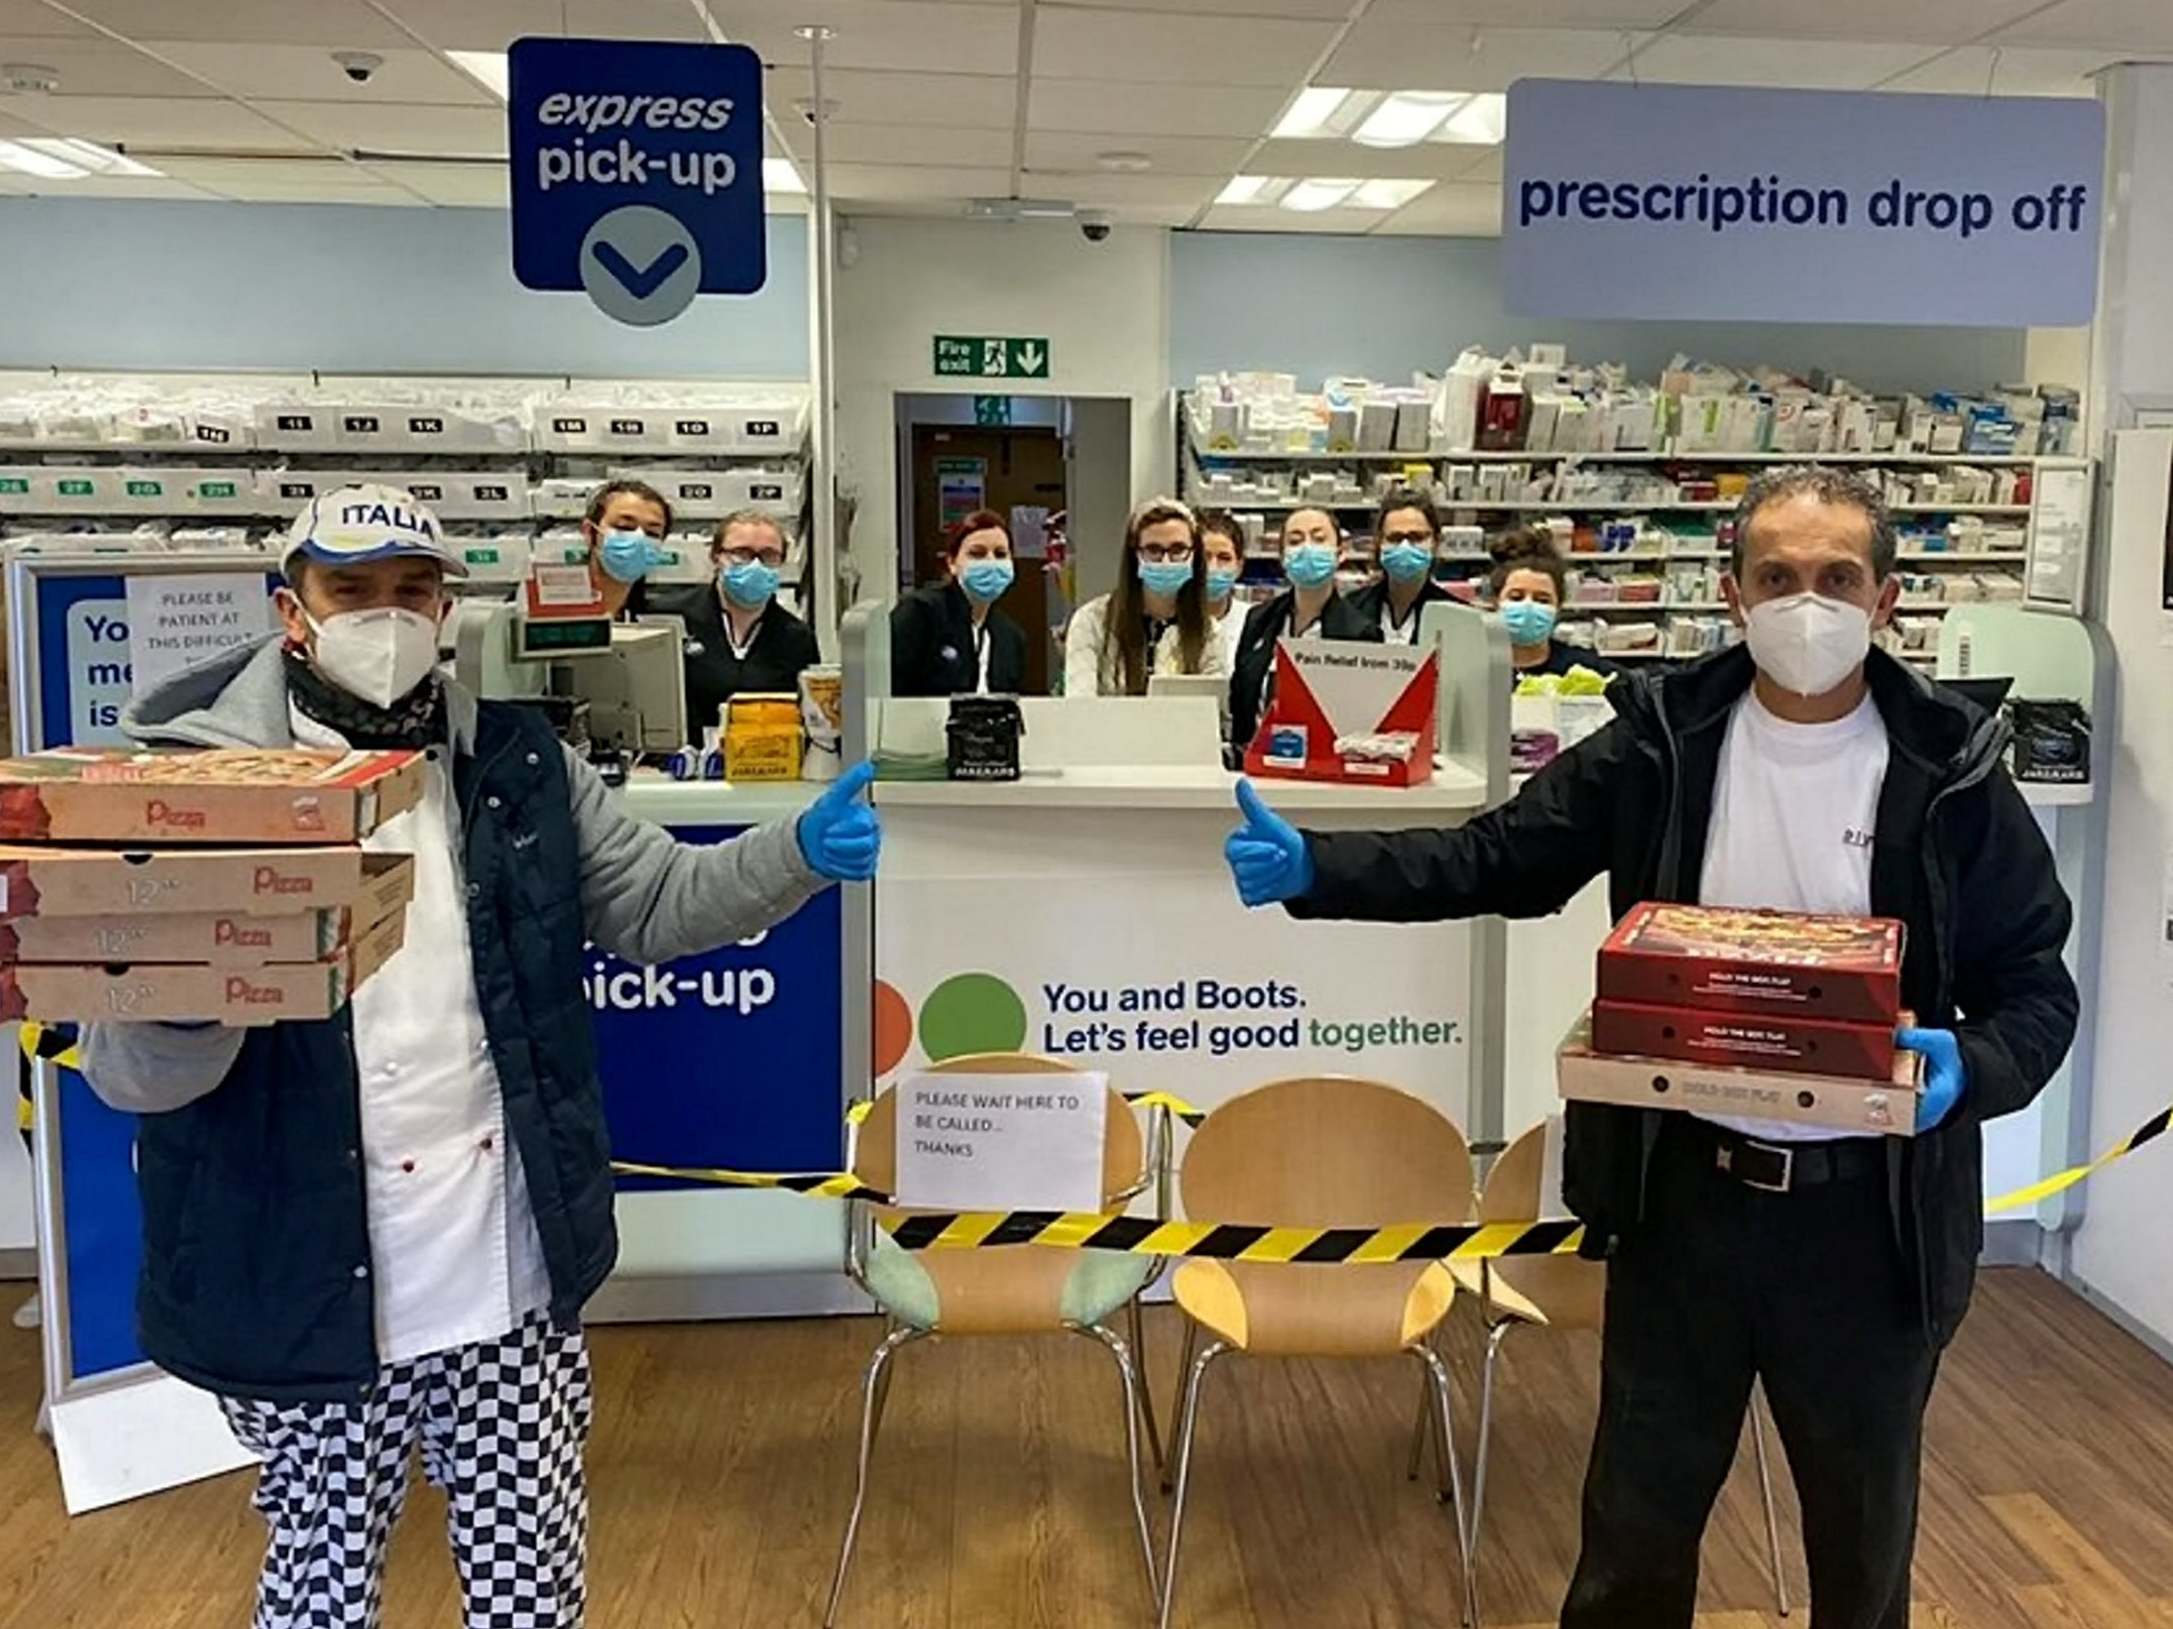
(1801, 771)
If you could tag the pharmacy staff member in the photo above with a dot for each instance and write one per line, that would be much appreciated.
(376, 1232)
(1154, 620)
(1310, 608)
(948, 638)
(1406, 542)
(1526, 588)
(1222, 564)
(1802, 770)
(625, 528)
(738, 638)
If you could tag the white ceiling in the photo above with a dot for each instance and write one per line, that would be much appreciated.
(938, 101)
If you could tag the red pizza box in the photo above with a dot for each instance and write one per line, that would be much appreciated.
(233, 936)
(1804, 1046)
(210, 796)
(41, 881)
(1844, 968)
(196, 992)
(1874, 1108)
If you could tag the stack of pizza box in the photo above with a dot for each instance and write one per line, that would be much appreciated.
(1773, 1015)
(226, 886)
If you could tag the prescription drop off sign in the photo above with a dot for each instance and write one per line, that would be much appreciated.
(636, 171)
(1703, 202)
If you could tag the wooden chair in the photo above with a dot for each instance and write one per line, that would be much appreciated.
(1555, 1292)
(1321, 1152)
(1008, 1290)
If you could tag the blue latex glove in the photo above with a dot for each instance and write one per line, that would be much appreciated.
(1943, 1075)
(1267, 855)
(841, 836)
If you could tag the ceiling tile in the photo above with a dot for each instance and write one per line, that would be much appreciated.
(396, 126)
(304, 73)
(863, 183)
(96, 66)
(1940, 22)
(1253, 218)
(1327, 10)
(1171, 49)
(20, 18)
(1183, 193)
(1124, 108)
(274, 192)
(346, 24)
(140, 121)
(851, 143)
(1485, 168)
(1438, 161)
(1971, 71)
(1386, 55)
(930, 36)
(1460, 211)
(1170, 155)
(1531, 14)
(492, 25)
(1799, 64)
(473, 186)
(227, 174)
(958, 101)
(2117, 25)
(120, 186)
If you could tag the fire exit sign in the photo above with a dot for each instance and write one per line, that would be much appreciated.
(989, 356)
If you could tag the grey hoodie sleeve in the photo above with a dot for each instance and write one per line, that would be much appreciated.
(155, 1068)
(648, 897)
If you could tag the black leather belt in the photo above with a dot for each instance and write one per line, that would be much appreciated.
(1782, 1167)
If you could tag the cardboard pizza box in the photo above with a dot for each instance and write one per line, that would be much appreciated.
(1785, 1040)
(41, 881)
(1846, 1107)
(238, 936)
(195, 992)
(217, 795)
(1843, 968)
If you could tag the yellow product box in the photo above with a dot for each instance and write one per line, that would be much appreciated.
(762, 738)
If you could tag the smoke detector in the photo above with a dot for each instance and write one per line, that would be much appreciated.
(28, 78)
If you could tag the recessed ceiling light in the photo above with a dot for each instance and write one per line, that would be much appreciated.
(1249, 189)
(1322, 111)
(66, 158)
(1124, 162)
(486, 68)
(1387, 194)
(1481, 121)
(1407, 118)
(1318, 193)
(27, 160)
(781, 175)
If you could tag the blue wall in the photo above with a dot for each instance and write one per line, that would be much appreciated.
(1313, 305)
(141, 285)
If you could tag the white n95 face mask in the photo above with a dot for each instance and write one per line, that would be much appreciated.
(379, 654)
(1806, 642)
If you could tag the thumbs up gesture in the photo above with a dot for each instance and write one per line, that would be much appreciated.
(840, 836)
(1267, 855)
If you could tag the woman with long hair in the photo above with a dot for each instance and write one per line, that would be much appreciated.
(1310, 608)
(1406, 542)
(1155, 620)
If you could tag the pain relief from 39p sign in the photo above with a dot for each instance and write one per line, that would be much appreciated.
(216, 795)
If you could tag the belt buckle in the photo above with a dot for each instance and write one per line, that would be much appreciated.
(1787, 1157)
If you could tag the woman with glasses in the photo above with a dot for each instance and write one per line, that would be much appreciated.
(739, 639)
(1154, 621)
(1310, 608)
(1406, 540)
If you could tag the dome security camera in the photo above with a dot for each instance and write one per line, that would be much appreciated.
(1094, 225)
(359, 66)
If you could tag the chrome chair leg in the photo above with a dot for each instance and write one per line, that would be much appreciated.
(1177, 1403)
(1439, 1371)
(882, 1387)
(1146, 1380)
(1132, 1408)
(869, 1411)
(1494, 1339)
(1181, 1455)
(1765, 1492)
(1419, 1425)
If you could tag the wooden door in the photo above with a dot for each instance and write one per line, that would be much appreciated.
(957, 468)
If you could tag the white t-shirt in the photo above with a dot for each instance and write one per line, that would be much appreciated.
(1794, 808)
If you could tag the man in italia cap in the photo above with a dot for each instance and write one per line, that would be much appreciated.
(374, 1233)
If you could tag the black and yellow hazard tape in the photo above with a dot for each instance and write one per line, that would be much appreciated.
(2061, 1181)
(54, 1043)
(816, 1185)
(1229, 1241)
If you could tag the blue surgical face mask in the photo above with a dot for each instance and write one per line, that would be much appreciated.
(1407, 562)
(1221, 582)
(629, 556)
(1528, 621)
(749, 583)
(1309, 565)
(1164, 577)
(986, 580)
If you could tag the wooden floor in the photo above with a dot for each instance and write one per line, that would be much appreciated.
(721, 1470)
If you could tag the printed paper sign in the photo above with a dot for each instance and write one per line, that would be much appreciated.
(175, 622)
(1001, 1142)
(1724, 204)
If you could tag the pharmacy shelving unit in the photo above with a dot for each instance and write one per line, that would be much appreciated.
(507, 464)
(1956, 551)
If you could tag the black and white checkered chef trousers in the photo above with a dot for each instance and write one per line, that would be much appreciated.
(501, 1425)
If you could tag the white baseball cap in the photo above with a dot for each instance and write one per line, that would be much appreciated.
(369, 522)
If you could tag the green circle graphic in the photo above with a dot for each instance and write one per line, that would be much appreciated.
(972, 1012)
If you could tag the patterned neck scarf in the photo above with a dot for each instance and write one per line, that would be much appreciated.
(415, 721)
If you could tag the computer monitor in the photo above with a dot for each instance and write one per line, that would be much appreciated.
(637, 694)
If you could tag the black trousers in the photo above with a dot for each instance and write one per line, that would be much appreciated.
(1804, 1291)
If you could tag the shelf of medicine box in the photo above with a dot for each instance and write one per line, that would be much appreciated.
(753, 429)
(1263, 455)
(1511, 455)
